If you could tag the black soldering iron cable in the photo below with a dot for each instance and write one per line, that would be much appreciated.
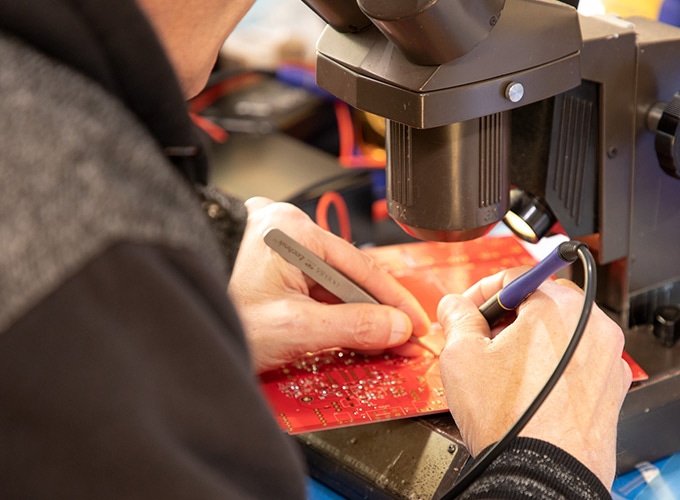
(485, 459)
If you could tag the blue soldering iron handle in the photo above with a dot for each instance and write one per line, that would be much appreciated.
(513, 294)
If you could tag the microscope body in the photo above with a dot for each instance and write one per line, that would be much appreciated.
(602, 157)
(578, 112)
(592, 154)
(551, 102)
(448, 124)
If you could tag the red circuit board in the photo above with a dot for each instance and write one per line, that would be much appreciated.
(338, 388)
(430, 270)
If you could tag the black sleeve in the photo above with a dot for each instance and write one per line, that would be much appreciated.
(132, 380)
(531, 468)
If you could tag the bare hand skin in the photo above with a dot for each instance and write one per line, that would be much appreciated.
(491, 377)
(286, 314)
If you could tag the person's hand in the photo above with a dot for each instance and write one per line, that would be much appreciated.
(286, 314)
(490, 378)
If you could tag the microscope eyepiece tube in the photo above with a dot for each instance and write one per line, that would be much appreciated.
(342, 15)
(431, 32)
(449, 183)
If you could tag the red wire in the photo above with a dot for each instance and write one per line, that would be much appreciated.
(214, 92)
(347, 156)
(345, 131)
(216, 133)
(334, 198)
(210, 95)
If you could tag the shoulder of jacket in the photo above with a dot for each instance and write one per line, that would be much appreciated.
(79, 173)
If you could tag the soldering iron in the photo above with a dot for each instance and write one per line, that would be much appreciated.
(517, 291)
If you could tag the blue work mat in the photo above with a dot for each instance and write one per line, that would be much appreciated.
(650, 481)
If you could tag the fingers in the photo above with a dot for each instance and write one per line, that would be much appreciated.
(569, 284)
(300, 326)
(356, 326)
(257, 202)
(460, 317)
(342, 255)
(491, 379)
(362, 269)
(488, 286)
(485, 288)
(264, 213)
(459, 314)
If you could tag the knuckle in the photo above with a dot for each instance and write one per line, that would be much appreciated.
(279, 213)
(285, 209)
(371, 264)
(364, 331)
(569, 284)
(370, 267)
(608, 332)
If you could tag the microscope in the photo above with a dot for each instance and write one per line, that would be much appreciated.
(528, 112)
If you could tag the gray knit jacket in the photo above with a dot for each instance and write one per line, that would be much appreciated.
(123, 369)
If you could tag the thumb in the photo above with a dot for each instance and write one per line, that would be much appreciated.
(460, 318)
(356, 326)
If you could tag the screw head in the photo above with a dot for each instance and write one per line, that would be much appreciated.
(514, 91)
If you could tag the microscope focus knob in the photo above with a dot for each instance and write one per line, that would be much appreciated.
(664, 120)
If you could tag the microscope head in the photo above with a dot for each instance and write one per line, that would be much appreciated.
(445, 74)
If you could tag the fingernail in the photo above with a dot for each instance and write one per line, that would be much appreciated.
(401, 328)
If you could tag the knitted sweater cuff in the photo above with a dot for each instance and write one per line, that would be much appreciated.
(531, 468)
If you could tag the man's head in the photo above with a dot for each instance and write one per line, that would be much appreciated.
(192, 32)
